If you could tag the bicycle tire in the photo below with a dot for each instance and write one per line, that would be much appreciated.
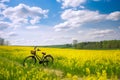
(29, 61)
(48, 59)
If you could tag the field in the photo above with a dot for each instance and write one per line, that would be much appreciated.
(69, 64)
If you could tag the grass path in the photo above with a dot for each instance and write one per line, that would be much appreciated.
(58, 73)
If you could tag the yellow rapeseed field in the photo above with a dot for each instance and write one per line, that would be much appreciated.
(69, 64)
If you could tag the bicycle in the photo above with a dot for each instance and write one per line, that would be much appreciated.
(31, 60)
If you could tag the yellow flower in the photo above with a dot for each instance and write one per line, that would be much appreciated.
(87, 71)
(69, 75)
(75, 77)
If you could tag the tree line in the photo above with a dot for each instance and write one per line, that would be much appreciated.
(108, 44)
(3, 41)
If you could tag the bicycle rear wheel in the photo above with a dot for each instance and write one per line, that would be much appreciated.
(29, 61)
(48, 60)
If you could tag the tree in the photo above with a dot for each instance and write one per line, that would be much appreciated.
(75, 42)
(4, 42)
(1, 41)
(68, 45)
(110, 44)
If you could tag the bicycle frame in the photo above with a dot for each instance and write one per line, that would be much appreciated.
(39, 58)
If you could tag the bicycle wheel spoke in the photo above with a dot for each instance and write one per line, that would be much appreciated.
(29, 61)
(48, 60)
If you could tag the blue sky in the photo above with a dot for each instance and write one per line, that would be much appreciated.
(50, 22)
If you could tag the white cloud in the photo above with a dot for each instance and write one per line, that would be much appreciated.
(20, 15)
(71, 3)
(1, 32)
(76, 18)
(2, 1)
(35, 20)
(80, 32)
(32, 27)
(49, 40)
(58, 0)
(4, 25)
(114, 16)
(7, 35)
(119, 27)
(26, 42)
(12, 34)
(82, 7)
(96, 35)
(81, 15)
(63, 26)
(3, 6)
(100, 33)
(24, 14)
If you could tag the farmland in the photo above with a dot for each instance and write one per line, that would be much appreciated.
(69, 64)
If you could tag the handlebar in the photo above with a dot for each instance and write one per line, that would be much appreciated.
(35, 48)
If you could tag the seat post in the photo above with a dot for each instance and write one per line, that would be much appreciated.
(35, 47)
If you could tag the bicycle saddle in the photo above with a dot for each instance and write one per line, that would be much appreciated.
(43, 53)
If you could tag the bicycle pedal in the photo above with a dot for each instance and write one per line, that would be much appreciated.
(40, 62)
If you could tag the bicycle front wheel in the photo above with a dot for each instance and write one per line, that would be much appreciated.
(29, 61)
(48, 60)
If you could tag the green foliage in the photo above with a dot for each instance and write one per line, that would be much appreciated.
(111, 44)
(60, 46)
(108, 44)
